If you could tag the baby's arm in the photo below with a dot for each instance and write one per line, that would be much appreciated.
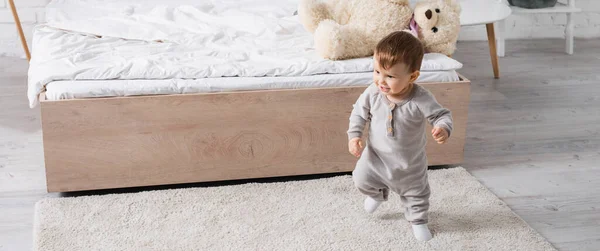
(437, 116)
(358, 119)
(360, 115)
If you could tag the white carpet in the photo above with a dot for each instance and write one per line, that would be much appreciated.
(323, 214)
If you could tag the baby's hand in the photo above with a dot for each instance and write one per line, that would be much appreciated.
(355, 146)
(439, 134)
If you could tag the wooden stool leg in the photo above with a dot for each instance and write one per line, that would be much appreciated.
(501, 35)
(569, 33)
(492, 44)
(19, 28)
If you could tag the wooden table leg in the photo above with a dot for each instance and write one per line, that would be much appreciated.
(492, 44)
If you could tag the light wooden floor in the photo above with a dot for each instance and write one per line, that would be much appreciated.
(533, 139)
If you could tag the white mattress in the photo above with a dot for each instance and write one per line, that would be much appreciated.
(118, 88)
(141, 47)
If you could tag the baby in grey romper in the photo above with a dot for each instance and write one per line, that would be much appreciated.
(394, 157)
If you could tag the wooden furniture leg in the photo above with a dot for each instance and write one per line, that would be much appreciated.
(492, 44)
(569, 34)
(501, 36)
(19, 28)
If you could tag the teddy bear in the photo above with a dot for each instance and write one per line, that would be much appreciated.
(345, 29)
(438, 25)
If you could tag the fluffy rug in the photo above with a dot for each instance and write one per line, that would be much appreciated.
(320, 214)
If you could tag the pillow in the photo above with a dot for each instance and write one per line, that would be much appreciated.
(439, 62)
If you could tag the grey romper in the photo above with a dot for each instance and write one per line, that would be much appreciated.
(394, 156)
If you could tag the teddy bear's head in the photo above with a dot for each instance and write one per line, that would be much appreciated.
(439, 22)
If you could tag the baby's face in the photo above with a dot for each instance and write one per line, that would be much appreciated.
(394, 80)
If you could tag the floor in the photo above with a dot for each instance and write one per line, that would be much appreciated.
(533, 138)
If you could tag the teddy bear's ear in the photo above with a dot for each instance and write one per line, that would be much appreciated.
(454, 5)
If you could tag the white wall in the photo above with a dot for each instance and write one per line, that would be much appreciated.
(532, 26)
(30, 13)
(587, 24)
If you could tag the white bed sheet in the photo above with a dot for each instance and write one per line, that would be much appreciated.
(202, 42)
(59, 90)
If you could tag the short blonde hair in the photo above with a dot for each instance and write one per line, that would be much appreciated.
(400, 47)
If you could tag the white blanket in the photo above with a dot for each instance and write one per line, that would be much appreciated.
(183, 39)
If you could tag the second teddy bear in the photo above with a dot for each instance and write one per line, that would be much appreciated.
(439, 25)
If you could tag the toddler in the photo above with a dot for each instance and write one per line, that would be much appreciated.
(397, 109)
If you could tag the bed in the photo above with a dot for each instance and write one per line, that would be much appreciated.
(146, 93)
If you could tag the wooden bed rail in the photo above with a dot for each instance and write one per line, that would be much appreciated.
(100, 143)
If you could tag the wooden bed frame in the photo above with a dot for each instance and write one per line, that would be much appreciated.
(101, 143)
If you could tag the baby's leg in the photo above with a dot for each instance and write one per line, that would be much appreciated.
(367, 184)
(370, 186)
(416, 203)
